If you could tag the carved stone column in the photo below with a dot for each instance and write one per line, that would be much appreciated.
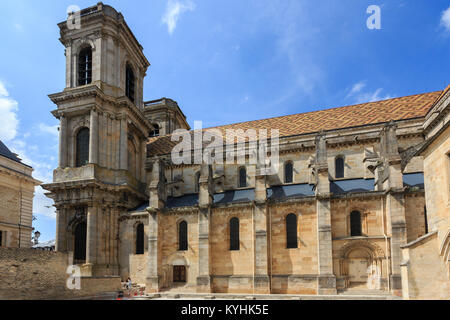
(123, 143)
(91, 239)
(327, 280)
(61, 230)
(93, 137)
(63, 156)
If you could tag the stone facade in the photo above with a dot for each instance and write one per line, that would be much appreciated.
(432, 251)
(16, 200)
(350, 228)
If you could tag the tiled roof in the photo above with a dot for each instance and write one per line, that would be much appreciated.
(4, 151)
(409, 107)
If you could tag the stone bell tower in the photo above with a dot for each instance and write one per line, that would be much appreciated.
(103, 137)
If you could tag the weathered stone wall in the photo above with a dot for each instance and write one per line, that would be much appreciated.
(415, 216)
(35, 274)
(437, 183)
(170, 255)
(424, 272)
(16, 203)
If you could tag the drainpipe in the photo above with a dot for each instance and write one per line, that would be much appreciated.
(386, 245)
(270, 246)
(253, 245)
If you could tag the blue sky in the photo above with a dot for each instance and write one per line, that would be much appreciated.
(225, 61)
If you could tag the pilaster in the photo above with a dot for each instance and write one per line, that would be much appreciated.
(204, 225)
(327, 280)
(261, 245)
(91, 239)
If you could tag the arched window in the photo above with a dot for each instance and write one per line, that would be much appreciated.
(288, 172)
(339, 167)
(355, 224)
(155, 132)
(140, 239)
(197, 182)
(183, 236)
(82, 152)
(129, 85)
(291, 231)
(242, 178)
(234, 235)
(80, 243)
(85, 67)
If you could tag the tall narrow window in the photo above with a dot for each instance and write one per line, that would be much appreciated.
(183, 236)
(234, 235)
(80, 243)
(1, 238)
(291, 231)
(85, 67)
(82, 152)
(355, 224)
(140, 239)
(288, 172)
(129, 86)
(339, 167)
(155, 132)
(426, 220)
(242, 178)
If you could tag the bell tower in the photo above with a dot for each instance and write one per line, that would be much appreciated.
(103, 136)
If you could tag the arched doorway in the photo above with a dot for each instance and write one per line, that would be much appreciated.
(359, 261)
(361, 265)
(80, 243)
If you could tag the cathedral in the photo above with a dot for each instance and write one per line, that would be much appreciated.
(360, 198)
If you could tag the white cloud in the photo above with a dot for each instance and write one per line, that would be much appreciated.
(359, 96)
(173, 12)
(43, 170)
(8, 111)
(18, 26)
(53, 130)
(445, 19)
(357, 87)
(43, 206)
(372, 96)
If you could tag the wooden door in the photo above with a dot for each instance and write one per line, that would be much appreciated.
(179, 274)
(358, 270)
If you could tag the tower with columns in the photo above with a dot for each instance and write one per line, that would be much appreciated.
(103, 137)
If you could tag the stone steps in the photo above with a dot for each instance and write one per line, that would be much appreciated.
(221, 296)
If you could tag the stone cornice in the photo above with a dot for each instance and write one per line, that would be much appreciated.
(95, 92)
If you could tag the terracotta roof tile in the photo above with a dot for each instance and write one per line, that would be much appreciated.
(409, 107)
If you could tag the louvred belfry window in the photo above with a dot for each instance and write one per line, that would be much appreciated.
(129, 87)
(82, 156)
(85, 67)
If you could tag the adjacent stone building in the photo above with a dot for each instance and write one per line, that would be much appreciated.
(348, 197)
(16, 200)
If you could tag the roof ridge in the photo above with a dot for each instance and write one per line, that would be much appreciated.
(322, 110)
